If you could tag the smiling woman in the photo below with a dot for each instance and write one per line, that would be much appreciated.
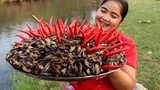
(110, 14)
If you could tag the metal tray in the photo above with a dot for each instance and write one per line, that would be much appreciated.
(51, 78)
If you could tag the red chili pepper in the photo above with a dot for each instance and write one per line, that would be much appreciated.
(113, 38)
(97, 31)
(72, 24)
(59, 25)
(34, 34)
(108, 67)
(76, 31)
(91, 32)
(56, 27)
(104, 33)
(43, 28)
(32, 31)
(114, 52)
(82, 24)
(71, 33)
(76, 25)
(58, 38)
(53, 29)
(101, 27)
(83, 34)
(96, 24)
(116, 45)
(29, 27)
(89, 24)
(62, 25)
(87, 29)
(88, 40)
(22, 37)
(98, 37)
(94, 49)
(26, 32)
(18, 43)
(58, 35)
(49, 28)
(107, 36)
(41, 33)
(65, 23)
(50, 21)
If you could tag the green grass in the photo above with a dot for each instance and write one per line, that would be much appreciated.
(24, 82)
(147, 39)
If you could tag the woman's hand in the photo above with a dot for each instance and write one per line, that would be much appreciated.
(124, 78)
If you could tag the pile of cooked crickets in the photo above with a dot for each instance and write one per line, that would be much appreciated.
(62, 50)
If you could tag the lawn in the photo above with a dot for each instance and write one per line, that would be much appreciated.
(142, 24)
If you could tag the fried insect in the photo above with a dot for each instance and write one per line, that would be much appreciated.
(65, 50)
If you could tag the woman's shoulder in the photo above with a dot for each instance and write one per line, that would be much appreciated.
(125, 38)
(131, 53)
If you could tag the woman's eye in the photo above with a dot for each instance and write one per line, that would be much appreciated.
(114, 16)
(103, 11)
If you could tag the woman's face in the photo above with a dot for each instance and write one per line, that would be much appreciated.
(109, 14)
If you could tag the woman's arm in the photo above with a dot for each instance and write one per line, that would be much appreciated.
(123, 79)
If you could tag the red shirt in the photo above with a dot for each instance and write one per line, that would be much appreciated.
(104, 83)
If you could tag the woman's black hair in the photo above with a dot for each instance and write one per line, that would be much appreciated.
(124, 5)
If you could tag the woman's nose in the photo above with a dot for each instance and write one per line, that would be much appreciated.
(106, 18)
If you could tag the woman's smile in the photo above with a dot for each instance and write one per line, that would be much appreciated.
(104, 23)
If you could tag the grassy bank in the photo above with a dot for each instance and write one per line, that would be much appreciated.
(142, 24)
(23, 82)
(11, 1)
(7, 1)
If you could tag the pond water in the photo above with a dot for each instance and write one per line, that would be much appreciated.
(14, 16)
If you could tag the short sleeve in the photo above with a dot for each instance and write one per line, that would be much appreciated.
(131, 53)
(131, 56)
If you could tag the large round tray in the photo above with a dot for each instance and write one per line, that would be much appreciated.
(52, 78)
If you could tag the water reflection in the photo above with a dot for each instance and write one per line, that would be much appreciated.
(14, 16)
(47, 8)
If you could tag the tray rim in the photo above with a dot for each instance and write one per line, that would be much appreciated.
(52, 78)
